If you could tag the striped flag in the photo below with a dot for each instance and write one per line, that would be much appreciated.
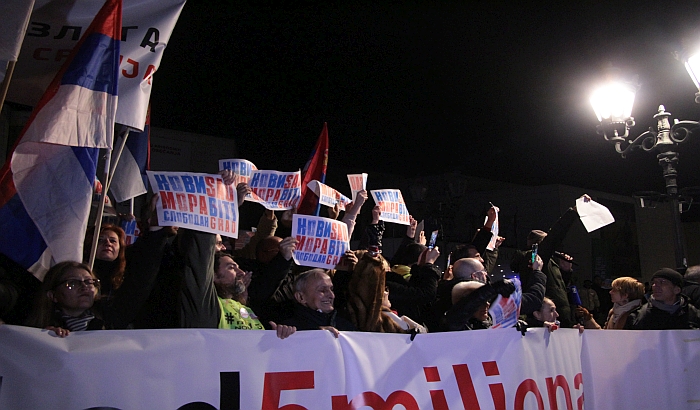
(315, 169)
(47, 185)
(130, 179)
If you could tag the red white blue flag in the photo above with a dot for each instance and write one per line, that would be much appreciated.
(130, 179)
(315, 169)
(47, 185)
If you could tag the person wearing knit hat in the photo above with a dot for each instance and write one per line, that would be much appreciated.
(669, 274)
(667, 307)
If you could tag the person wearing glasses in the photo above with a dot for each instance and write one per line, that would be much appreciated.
(65, 302)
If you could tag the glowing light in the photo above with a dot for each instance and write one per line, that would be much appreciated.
(613, 101)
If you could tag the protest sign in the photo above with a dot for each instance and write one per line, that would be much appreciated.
(320, 241)
(505, 311)
(391, 204)
(131, 230)
(328, 196)
(196, 201)
(358, 182)
(242, 169)
(275, 190)
(593, 215)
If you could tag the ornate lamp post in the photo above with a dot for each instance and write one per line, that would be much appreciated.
(613, 103)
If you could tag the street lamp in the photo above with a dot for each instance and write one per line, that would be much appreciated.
(613, 103)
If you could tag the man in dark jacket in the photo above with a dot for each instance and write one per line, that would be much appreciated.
(548, 243)
(667, 309)
(313, 291)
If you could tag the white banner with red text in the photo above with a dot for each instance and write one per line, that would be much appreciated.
(55, 26)
(183, 368)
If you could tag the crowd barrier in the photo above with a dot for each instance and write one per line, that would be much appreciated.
(228, 370)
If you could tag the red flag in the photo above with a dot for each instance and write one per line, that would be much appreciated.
(315, 168)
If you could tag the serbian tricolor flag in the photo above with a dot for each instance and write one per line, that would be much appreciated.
(315, 169)
(46, 188)
(130, 179)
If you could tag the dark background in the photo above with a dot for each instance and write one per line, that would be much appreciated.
(489, 89)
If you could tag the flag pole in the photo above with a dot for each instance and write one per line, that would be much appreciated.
(101, 202)
(117, 155)
(6, 82)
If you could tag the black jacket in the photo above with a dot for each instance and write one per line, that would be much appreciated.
(308, 319)
(649, 317)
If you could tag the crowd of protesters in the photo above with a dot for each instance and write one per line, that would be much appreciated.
(182, 278)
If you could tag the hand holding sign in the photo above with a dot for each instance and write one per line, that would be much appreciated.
(392, 206)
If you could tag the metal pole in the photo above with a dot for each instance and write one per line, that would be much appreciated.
(6, 82)
(668, 160)
(108, 171)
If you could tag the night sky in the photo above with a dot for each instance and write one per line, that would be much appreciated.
(421, 88)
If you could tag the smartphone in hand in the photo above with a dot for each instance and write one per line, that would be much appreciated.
(433, 239)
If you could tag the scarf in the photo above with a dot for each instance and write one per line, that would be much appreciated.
(670, 309)
(76, 324)
(618, 310)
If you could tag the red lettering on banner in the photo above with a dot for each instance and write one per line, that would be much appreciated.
(211, 190)
(324, 246)
(277, 195)
(466, 386)
(134, 71)
(221, 224)
(375, 401)
(167, 200)
(356, 183)
(288, 181)
(212, 222)
(181, 202)
(437, 397)
(300, 241)
(275, 383)
(498, 394)
(559, 381)
(192, 202)
(578, 381)
(528, 386)
(203, 205)
(317, 244)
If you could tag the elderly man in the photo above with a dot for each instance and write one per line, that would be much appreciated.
(313, 291)
(668, 308)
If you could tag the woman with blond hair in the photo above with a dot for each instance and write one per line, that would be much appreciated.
(627, 295)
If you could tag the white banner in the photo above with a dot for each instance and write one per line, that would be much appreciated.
(197, 201)
(167, 369)
(55, 26)
(642, 369)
